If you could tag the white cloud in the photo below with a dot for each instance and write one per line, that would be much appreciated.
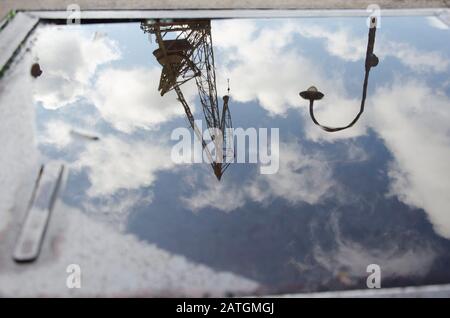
(356, 153)
(300, 178)
(343, 44)
(56, 133)
(351, 258)
(129, 99)
(340, 42)
(114, 164)
(409, 116)
(418, 60)
(69, 59)
(253, 60)
(115, 209)
(413, 121)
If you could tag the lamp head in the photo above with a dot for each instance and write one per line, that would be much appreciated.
(312, 94)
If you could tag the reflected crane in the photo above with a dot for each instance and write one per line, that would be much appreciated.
(185, 52)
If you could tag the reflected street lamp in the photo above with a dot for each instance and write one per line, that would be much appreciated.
(313, 94)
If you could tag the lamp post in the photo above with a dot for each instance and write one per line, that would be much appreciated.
(313, 94)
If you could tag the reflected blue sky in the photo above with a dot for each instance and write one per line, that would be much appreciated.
(376, 193)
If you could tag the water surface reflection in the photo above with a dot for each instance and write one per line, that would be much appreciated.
(375, 193)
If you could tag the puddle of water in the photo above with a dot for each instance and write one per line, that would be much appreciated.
(375, 193)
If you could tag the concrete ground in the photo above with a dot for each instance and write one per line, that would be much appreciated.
(7, 5)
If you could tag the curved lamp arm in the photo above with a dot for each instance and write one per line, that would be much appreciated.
(313, 94)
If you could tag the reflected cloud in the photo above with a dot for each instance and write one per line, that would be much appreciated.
(338, 42)
(420, 61)
(413, 121)
(293, 70)
(402, 112)
(124, 97)
(302, 178)
(345, 45)
(69, 59)
(120, 164)
(244, 54)
(56, 133)
(252, 58)
(115, 209)
(351, 258)
(128, 100)
(119, 174)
